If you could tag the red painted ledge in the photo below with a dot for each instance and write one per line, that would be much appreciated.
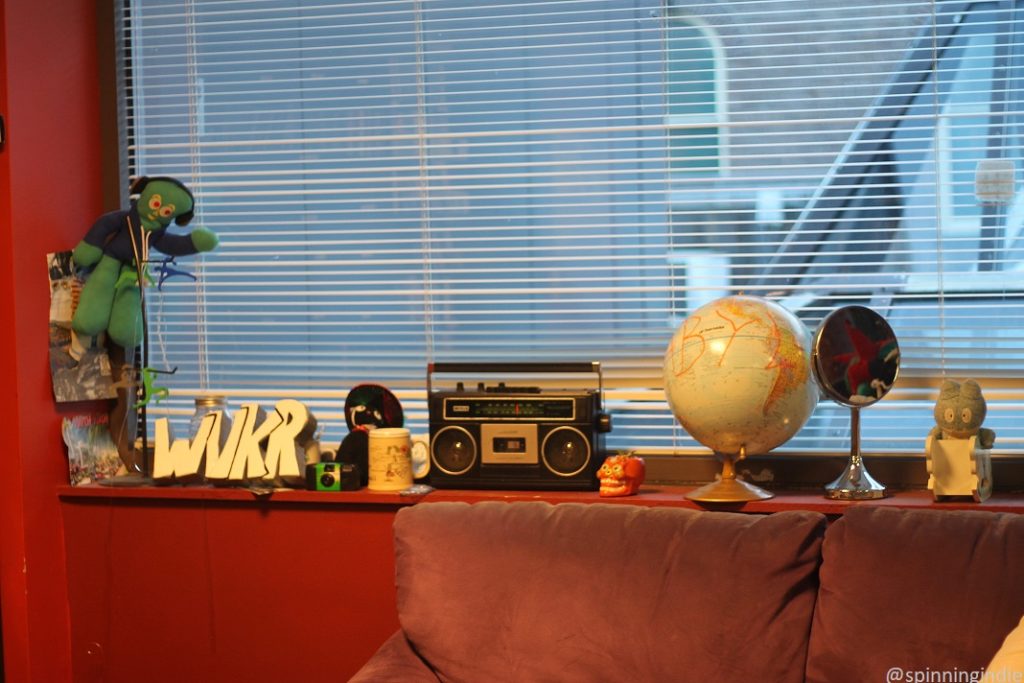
(672, 496)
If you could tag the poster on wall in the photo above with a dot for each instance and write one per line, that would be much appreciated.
(79, 368)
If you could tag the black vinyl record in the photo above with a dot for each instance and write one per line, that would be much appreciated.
(369, 406)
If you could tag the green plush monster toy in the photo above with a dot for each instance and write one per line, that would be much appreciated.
(117, 248)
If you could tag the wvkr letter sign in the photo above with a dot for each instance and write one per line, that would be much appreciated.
(240, 456)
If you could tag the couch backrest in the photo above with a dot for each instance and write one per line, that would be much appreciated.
(528, 591)
(918, 590)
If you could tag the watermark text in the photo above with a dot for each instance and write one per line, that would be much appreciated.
(900, 675)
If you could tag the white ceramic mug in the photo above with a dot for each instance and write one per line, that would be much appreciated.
(390, 463)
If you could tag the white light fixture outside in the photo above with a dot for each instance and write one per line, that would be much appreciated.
(994, 181)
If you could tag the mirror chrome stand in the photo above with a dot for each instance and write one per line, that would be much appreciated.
(856, 362)
(855, 483)
(729, 488)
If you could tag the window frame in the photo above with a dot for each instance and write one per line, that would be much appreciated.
(720, 118)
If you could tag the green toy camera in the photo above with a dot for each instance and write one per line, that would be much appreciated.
(332, 476)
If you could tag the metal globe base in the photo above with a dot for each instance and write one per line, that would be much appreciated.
(729, 491)
(729, 488)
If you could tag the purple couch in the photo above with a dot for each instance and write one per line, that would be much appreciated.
(529, 591)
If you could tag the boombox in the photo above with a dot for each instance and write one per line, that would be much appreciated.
(509, 437)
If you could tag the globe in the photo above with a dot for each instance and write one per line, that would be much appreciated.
(738, 375)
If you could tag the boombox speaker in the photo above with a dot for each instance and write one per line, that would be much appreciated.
(509, 437)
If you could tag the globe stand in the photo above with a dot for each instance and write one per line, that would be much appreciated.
(855, 483)
(728, 488)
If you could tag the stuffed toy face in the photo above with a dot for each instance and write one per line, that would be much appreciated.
(960, 409)
(160, 202)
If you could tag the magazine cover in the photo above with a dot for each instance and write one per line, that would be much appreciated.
(80, 369)
(92, 454)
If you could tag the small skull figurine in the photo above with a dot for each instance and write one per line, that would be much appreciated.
(621, 475)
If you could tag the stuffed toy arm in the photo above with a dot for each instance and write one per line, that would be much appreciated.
(204, 239)
(89, 251)
(197, 240)
(86, 254)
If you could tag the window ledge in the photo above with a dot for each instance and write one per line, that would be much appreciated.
(653, 496)
(234, 494)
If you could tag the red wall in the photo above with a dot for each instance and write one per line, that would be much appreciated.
(166, 591)
(50, 192)
(138, 591)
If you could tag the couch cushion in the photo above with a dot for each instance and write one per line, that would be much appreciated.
(918, 590)
(528, 591)
(395, 660)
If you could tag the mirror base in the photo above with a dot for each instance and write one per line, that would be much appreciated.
(855, 484)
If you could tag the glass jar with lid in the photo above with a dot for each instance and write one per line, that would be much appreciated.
(210, 403)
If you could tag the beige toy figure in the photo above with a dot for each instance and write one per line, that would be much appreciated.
(957, 448)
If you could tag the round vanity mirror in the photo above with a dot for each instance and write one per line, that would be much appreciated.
(856, 356)
(856, 359)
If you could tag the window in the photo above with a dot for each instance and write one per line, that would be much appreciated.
(399, 182)
(694, 94)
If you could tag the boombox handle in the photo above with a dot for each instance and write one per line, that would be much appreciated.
(512, 368)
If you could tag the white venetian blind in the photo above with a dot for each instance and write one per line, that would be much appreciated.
(396, 182)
